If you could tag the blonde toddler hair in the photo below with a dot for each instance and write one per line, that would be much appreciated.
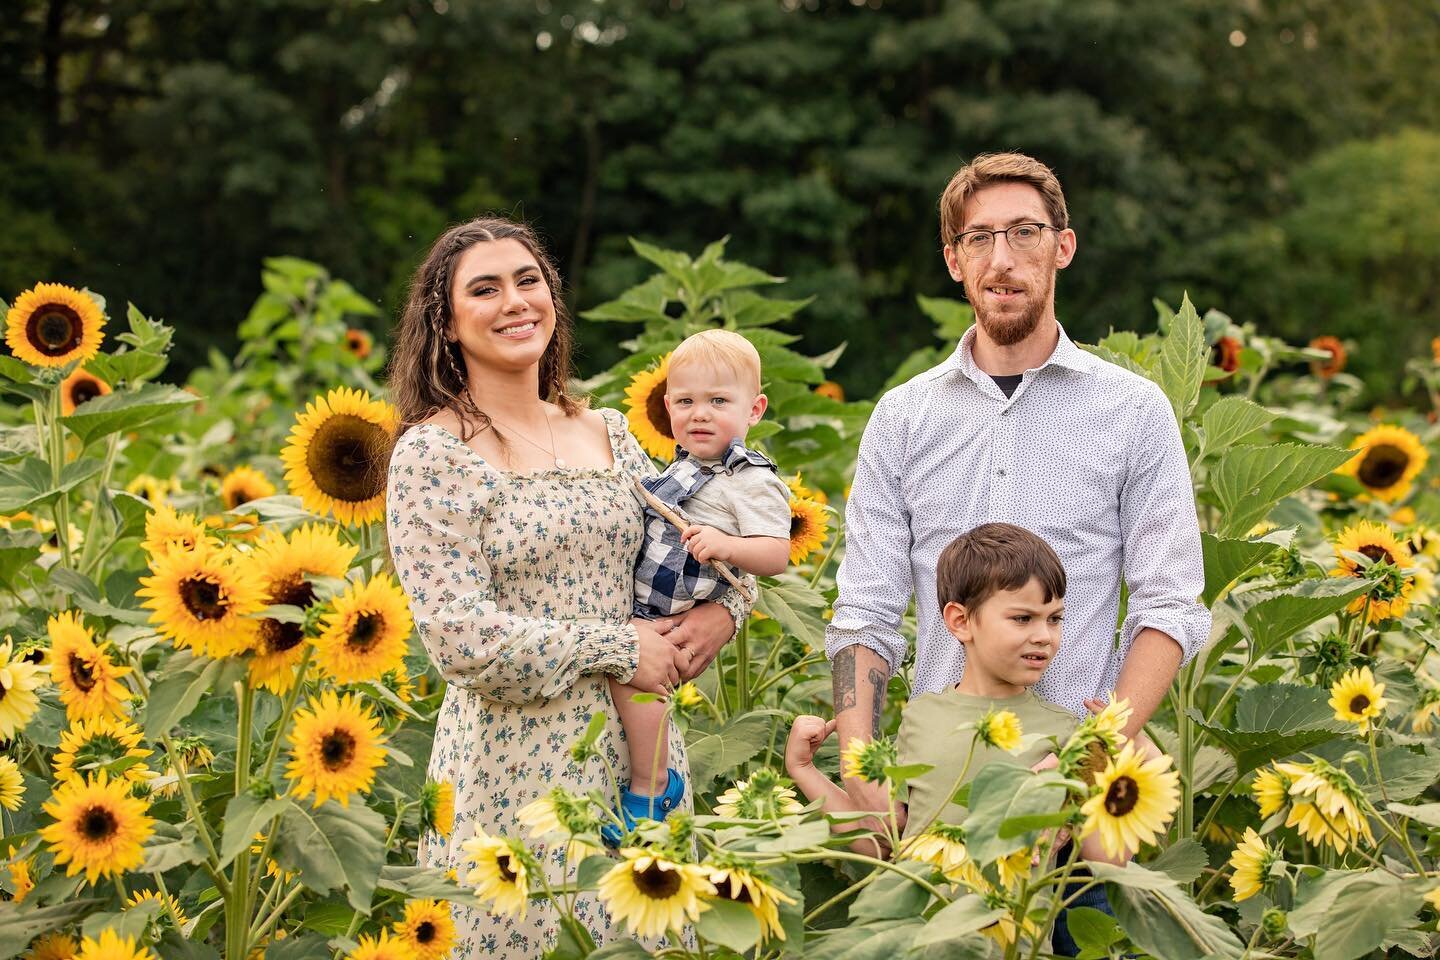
(721, 349)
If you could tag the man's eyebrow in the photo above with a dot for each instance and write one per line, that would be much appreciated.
(1027, 218)
(492, 277)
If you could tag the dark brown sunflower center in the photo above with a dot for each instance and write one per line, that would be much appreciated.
(344, 458)
(202, 598)
(502, 863)
(55, 329)
(655, 410)
(97, 824)
(730, 890)
(1383, 466)
(239, 494)
(1122, 796)
(424, 932)
(798, 524)
(80, 673)
(356, 343)
(86, 388)
(657, 884)
(365, 632)
(278, 637)
(1376, 553)
(1359, 703)
(295, 591)
(337, 750)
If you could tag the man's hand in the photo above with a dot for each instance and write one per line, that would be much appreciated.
(699, 633)
(706, 543)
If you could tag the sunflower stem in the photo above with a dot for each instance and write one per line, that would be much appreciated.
(87, 552)
(57, 462)
(1215, 808)
(166, 900)
(237, 926)
(742, 667)
(825, 560)
(274, 917)
(357, 917)
(1059, 898)
(288, 708)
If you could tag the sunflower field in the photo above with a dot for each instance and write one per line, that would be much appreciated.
(215, 714)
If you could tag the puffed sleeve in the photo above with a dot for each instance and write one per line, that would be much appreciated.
(637, 463)
(437, 507)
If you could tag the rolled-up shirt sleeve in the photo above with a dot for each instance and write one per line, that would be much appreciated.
(875, 581)
(1164, 566)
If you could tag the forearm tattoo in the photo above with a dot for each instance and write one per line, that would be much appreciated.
(845, 676)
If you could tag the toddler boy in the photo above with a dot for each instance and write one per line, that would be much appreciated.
(738, 510)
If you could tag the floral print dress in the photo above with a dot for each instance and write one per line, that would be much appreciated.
(521, 585)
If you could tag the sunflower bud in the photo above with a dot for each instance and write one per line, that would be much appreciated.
(1275, 923)
(867, 761)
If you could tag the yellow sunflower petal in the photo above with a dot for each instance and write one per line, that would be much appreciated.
(1134, 801)
(99, 827)
(88, 682)
(646, 413)
(426, 929)
(202, 599)
(365, 634)
(1379, 543)
(283, 563)
(19, 681)
(244, 484)
(809, 528)
(336, 747)
(1389, 458)
(80, 387)
(651, 894)
(1356, 698)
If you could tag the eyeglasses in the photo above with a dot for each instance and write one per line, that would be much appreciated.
(1021, 236)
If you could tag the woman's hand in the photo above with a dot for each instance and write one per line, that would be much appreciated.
(699, 633)
(660, 660)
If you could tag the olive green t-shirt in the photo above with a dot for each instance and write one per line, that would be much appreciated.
(928, 735)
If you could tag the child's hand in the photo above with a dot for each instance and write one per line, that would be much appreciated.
(706, 543)
(807, 733)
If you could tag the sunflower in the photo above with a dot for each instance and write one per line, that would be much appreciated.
(1356, 698)
(831, 389)
(112, 946)
(809, 527)
(52, 325)
(54, 946)
(101, 742)
(22, 877)
(359, 343)
(645, 409)
(201, 599)
(19, 679)
(765, 796)
(79, 387)
(943, 847)
(426, 929)
(337, 453)
(867, 761)
(1225, 354)
(99, 828)
(381, 947)
(366, 631)
(153, 489)
(1426, 710)
(499, 874)
(244, 484)
(1325, 369)
(1133, 802)
(169, 906)
(283, 565)
(167, 531)
(12, 784)
(336, 748)
(89, 684)
(1250, 864)
(563, 814)
(759, 895)
(653, 894)
(1390, 597)
(437, 807)
(1000, 729)
(1389, 458)
(1272, 791)
(1327, 804)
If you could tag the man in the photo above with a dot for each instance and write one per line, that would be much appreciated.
(1019, 425)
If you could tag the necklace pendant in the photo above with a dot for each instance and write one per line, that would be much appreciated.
(560, 462)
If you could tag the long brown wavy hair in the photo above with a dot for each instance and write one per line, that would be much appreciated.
(427, 371)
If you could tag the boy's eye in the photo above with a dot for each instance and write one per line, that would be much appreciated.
(1022, 618)
(718, 400)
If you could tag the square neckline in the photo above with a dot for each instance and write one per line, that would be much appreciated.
(611, 426)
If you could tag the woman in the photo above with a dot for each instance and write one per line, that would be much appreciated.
(514, 531)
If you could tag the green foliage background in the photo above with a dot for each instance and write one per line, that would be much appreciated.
(158, 150)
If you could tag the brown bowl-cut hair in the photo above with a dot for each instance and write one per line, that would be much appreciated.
(994, 557)
(427, 372)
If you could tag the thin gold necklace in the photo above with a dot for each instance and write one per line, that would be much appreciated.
(558, 461)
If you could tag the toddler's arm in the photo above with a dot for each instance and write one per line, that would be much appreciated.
(762, 556)
(807, 733)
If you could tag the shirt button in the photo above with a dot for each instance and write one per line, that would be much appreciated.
(1000, 472)
(1004, 411)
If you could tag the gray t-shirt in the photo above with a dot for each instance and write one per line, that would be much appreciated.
(751, 501)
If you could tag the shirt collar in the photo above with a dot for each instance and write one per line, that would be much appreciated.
(1066, 354)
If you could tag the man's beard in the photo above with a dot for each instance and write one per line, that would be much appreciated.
(1008, 330)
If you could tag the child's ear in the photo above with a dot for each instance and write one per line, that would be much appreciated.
(957, 621)
(757, 409)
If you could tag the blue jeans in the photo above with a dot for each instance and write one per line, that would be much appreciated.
(1060, 940)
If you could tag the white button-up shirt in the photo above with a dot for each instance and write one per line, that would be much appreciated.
(1085, 454)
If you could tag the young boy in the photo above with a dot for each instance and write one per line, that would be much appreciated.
(1002, 595)
(738, 510)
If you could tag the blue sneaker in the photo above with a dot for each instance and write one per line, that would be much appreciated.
(634, 806)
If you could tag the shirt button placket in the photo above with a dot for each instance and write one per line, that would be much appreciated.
(1004, 460)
